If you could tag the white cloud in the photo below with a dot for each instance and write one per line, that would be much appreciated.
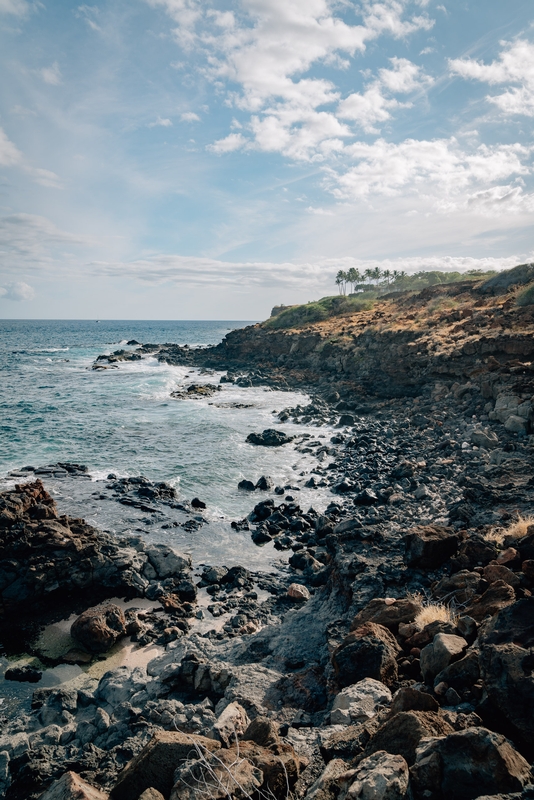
(18, 291)
(18, 8)
(267, 51)
(189, 116)
(88, 14)
(374, 105)
(438, 172)
(515, 65)
(10, 155)
(29, 241)
(232, 142)
(315, 275)
(51, 75)
(160, 123)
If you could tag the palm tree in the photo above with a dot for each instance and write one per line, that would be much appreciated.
(353, 277)
(341, 281)
(387, 275)
(369, 274)
(377, 274)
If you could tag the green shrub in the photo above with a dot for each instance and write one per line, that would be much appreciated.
(297, 316)
(526, 297)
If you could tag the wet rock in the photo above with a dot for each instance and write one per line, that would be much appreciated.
(298, 592)
(72, 787)
(366, 498)
(401, 734)
(155, 765)
(388, 612)
(197, 503)
(246, 486)
(167, 561)
(47, 558)
(24, 674)
(427, 547)
(99, 628)
(368, 652)
(381, 776)
(269, 438)
(359, 702)
(264, 484)
(464, 764)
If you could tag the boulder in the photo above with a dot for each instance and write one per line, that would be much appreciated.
(498, 572)
(515, 424)
(167, 561)
(382, 776)
(460, 587)
(368, 652)
(239, 772)
(437, 655)
(429, 546)
(359, 702)
(498, 596)
(263, 731)
(155, 765)
(269, 438)
(326, 787)
(506, 665)
(409, 699)
(388, 612)
(525, 545)
(298, 592)
(349, 742)
(231, 723)
(402, 733)
(466, 763)
(24, 674)
(279, 764)
(246, 486)
(151, 794)
(99, 628)
(71, 787)
(219, 776)
(264, 484)
(462, 674)
(484, 438)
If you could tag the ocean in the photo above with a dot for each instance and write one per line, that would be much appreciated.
(54, 407)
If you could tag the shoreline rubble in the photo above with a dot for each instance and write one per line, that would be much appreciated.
(392, 660)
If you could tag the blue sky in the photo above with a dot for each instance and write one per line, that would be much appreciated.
(204, 159)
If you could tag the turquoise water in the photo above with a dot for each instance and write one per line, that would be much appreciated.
(54, 407)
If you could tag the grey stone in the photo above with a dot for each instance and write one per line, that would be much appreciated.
(439, 653)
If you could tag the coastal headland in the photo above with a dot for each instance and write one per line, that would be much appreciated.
(391, 658)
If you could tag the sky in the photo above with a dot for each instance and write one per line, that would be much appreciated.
(208, 159)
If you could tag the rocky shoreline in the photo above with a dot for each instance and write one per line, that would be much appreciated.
(392, 660)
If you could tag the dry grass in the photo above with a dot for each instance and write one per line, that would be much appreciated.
(433, 611)
(516, 530)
